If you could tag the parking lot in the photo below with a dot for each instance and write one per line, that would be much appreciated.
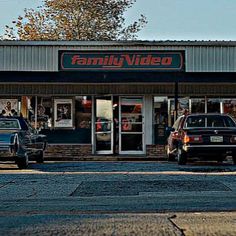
(106, 197)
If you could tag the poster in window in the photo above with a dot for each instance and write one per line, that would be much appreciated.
(8, 107)
(63, 113)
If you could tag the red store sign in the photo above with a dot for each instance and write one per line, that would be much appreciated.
(121, 61)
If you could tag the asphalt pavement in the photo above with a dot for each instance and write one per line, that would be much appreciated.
(118, 198)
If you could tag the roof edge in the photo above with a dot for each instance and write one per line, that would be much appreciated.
(119, 43)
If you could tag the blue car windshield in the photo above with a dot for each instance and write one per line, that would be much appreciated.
(9, 124)
(209, 121)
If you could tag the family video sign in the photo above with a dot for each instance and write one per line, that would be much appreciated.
(121, 61)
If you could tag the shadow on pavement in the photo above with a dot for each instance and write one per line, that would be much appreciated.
(123, 167)
(127, 167)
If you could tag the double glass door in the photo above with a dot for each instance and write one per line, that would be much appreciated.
(118, 125)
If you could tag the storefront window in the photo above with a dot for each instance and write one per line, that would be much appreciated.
(83, 118)
(197, 105)
(9, 107)
(83, 112)
(160, 105)
(229, 107)
(213, 105)
(160, 110)
(183, 106)
(171, 112)
(40, 118)
(63, 120)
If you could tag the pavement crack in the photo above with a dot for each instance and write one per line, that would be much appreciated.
(175, 225)
(33, 194)
(71, 194)
(10, 182)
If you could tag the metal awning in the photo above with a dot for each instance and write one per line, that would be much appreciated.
(65, 89)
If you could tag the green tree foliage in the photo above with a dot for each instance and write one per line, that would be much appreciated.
(76, 20)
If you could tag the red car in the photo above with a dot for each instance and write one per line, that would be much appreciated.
(204, 136)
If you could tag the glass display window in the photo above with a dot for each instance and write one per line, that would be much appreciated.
(197, 105)
(183, 106)
(160, 105)
(9, 107)
(40, 112)
(83, 112)
(229, 107)
(213, 105)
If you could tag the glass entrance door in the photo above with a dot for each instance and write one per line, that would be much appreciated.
(131, 125)
(103, 125)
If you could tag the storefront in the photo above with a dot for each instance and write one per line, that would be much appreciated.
(114, 98)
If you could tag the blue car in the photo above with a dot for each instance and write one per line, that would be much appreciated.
(19, 140)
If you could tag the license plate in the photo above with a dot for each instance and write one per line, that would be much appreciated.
(216, 139)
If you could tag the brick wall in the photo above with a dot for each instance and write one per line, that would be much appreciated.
(156, 151)
(76, 152)
(65, 152)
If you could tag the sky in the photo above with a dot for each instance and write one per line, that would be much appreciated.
(167, 19)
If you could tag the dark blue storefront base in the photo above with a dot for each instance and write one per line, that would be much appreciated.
(82, 136)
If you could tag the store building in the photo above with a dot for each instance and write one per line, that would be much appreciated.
(114, 98)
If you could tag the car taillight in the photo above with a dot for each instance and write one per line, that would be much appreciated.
(192, 138)
(233, 139)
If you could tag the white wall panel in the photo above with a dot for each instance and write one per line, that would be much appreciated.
(148, 129)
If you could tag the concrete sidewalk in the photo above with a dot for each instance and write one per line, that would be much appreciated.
(179, 224)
